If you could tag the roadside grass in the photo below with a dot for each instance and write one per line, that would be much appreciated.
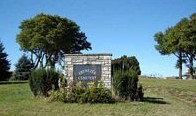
(186, 85)
(17, 99)
(182, 90)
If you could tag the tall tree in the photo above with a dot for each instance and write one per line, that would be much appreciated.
(169, 42)
(190, 45)
(48, 37)
(4, 64)
(23, 68)
(180, 41)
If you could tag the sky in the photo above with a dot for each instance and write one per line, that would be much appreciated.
(120, 27)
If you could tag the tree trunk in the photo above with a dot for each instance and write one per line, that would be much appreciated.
(180, 72)
(180, 65)
(191, 67)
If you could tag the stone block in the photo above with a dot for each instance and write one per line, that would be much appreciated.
(105, 68)
(67, 59)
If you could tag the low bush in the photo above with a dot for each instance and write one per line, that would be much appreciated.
(41, 81)
(75, 93)
(57, 95)
(78, 94)
(97, 95)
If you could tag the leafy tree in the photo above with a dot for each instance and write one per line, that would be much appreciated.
(179, 40)
(4, 64)
(194, 73)
(126, 63)
(168, 43)
(48, 37)
(190, 43)
(23, 68)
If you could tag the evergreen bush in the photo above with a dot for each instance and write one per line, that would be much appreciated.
(42, 80)
(125, 84)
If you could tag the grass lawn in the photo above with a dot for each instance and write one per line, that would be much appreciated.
(162, 98)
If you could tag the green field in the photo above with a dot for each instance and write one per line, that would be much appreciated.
(162, 98)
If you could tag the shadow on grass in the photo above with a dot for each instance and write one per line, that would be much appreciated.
(12, 82)
(154, 100)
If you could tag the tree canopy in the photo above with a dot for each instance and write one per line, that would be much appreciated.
(48, 37)
(126, 63)
(179, 40)
(4, 64)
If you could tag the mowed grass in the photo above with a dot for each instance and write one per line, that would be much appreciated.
(182, 90)
(16, 99)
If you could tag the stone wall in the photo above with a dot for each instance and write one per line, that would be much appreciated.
(89, 59)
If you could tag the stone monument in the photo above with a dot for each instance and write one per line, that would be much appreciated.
(88, 68)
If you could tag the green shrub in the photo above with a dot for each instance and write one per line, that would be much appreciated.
(57, 95)
(97, 95)
(62, 81)
(125, 84)
(42, 80)
(94, 94)
(77, 94)
(70, 94)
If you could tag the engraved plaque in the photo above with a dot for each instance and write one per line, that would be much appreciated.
(86, 73)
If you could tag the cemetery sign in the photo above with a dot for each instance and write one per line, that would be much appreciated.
(86, 73)
(88, 67)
